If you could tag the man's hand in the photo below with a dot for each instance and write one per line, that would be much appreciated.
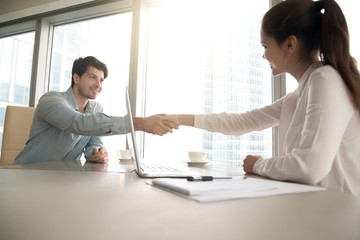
(249, 163)
(156, 124)
(100, 155)
(181, 119)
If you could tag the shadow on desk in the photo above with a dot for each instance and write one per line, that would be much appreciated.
(78, 165)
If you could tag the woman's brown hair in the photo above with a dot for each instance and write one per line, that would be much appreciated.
(321, 26)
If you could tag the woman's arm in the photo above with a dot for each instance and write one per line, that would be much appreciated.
(232, 123)
(312, 145)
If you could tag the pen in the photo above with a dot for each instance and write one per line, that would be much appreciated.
(206, 178)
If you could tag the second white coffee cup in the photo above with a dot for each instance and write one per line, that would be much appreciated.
(197, 156)
(124, 154)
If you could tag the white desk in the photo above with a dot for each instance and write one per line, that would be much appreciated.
(88, 204)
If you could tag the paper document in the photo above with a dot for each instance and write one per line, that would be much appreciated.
(226, 189)
(219, 186)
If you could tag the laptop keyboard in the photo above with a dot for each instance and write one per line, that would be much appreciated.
(153, 168)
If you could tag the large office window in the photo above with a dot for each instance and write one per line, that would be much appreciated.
(206, 57)
(16, 53)
(106, 38)
(195, 57)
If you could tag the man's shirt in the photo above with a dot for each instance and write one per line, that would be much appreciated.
(59, 132)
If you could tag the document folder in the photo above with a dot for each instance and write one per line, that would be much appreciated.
(228, 189)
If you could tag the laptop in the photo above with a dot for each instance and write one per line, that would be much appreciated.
(150, 171)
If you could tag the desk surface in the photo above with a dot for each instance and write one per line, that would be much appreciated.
(91, 204)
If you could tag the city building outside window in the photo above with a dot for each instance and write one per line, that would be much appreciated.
(206, 58)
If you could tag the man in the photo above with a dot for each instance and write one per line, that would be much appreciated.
(67, 124)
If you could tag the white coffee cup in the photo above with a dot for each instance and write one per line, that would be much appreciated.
(124, 154)
(197, 156)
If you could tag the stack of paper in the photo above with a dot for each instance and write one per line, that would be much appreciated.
(226, 189)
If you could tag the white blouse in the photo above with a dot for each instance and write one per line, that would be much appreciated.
(319, 132)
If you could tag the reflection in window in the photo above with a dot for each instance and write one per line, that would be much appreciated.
(16, 54)
(208, 62)
(106, 38)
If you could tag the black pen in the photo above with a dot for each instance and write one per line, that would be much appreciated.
(207, 178)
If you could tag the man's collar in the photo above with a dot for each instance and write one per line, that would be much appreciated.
(71, 97)
(73, 103)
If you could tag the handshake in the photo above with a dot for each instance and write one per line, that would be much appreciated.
(161, 124)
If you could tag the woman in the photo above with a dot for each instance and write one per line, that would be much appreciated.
(319, 123)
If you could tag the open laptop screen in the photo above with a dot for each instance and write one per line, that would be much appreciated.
(131, 135)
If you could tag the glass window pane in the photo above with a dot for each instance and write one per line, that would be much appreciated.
(106, 38)
(2, 116)
(207, 62)
(16, 54)
(350, 9)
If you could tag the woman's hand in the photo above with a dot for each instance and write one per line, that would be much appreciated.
(158, 124)
(249, 163)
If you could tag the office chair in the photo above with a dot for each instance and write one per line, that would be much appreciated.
(17, 125)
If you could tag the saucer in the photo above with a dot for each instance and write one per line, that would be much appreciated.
(196, 164)
(125, 160)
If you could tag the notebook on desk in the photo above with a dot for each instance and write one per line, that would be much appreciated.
(150, 171)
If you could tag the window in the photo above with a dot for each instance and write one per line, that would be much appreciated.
(206, 57)
(16, 54)
(351, 12)
(106, 38)
(194, 57)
